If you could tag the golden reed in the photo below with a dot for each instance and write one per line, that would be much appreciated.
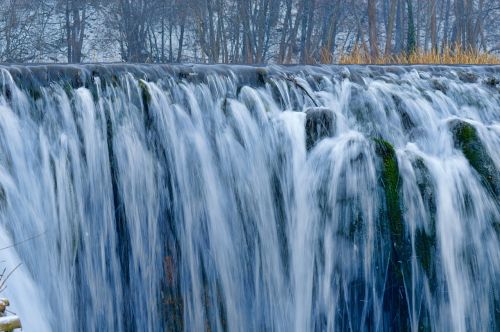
(448, 56)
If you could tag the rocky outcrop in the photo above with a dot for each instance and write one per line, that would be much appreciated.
(466, 139)
(391, 221)
(320, 123)
(8, 323)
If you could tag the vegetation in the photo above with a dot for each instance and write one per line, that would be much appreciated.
(449, 56)
(249, 31)
(391, 182)
(467, 140)
(8, 322)
(398, 271)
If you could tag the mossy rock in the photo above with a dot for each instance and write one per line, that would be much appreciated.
(399, 269)
(425, 239)
(320, 123)
(426, 188)
(146, 100)
(68, 89)
(35, 93)
(407, 123)
(439, 85)
(425, 247)
(467, 140)
(275, 91)
(467, 76)
(262, 75)
(115, 80)
(492, 81)
(146, 94)
(391, 182)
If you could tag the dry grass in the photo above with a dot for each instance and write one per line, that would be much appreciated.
(449, 56)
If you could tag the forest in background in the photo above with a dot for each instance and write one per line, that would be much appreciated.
(241, 31)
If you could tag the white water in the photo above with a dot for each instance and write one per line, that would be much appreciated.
(206, 211)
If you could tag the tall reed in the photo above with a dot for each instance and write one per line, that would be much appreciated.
(449, 55)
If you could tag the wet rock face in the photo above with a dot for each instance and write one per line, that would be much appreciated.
(492, 81)
(391, 183)
(467, 76)
(398, 270)
(466, 139)
(320, 123)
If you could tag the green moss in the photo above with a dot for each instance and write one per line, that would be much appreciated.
(399, 268)
(426, 188)
(146, 94)
(467, 140)
(391, 182)
(425, 239)
(424, 247)
(146, 100)
(68, 89)
(464, 134)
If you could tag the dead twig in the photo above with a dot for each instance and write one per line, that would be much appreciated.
(3, 281)
(23, 241)
(294, 81)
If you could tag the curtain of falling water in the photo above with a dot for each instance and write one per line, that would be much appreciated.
(296, 199)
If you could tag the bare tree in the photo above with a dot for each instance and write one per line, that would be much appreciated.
(239, 31)
(433, 26)
(133, 23)
(75, 17)
(390, 27)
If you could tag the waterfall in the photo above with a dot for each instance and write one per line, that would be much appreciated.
(235, 198)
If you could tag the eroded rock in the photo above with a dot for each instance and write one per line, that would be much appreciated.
(467, 140)
(320, 123)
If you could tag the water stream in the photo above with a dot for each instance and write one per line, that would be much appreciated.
(231, 198)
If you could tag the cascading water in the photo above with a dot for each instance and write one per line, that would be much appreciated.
(227, 198)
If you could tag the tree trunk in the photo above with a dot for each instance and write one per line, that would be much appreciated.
(446, 28)
(133, 14)
(162, 37)
(399, 45)
(433, 27)
(75, 29)
(411, 43)
(390, 27)
(284, 31)
(68, 32)
(181, 38)
(293, 35)
(372, 28)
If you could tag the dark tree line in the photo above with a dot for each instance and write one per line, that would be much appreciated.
(240, 31)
